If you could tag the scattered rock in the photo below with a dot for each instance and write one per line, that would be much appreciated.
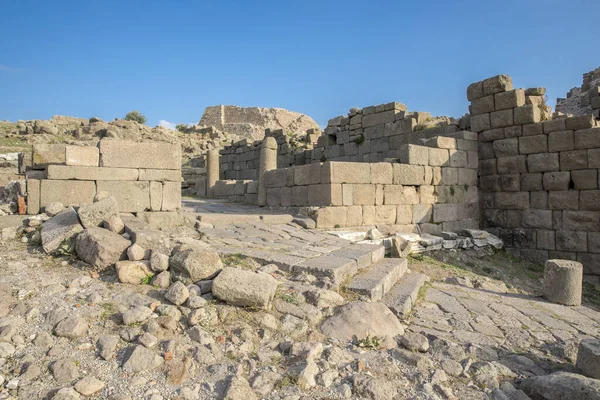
(415, 342)
(60, 231)
(177, 293)
(135, 252)
(101, 247)
(66, 394)
(239, 389)
(244, 288)
(141, 359)
(71, 327)
(89, 386)
(136, 314)
(115, 224)
(560, 386)
(162, 280)
(107, 345)
(159, 262)
(54, 208)
(194, 263)
(134, 272)
(65, 371)
(93, 215)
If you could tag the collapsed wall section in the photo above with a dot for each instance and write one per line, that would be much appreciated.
(539, 179)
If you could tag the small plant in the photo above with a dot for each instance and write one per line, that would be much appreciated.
(109, 310)
(146, 280)
(359, 140)
(452, 190)
(337, 226)
(182, 127)
(323, 158)
(370, 342)
(94, 119)
(286, 381)
(290, 298)
(136, 116)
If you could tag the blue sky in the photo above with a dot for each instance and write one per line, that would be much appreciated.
(171, 59)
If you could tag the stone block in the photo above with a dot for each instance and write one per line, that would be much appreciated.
(156, 196)
(497, 84)
(510, 183)
(81, 173)
(572, 160)
(404, 214)
(379, 118)
(48, 154)
(512, 165)
(533, 144)
(309, 174)
(363, 194)
(413, 154)
(467, 177)
(422, 213)
(563, 282)
(426, 194)
(539, 219)
(444, 212)
(91, 215)
(491, 135)
(513, 131)
(543, 162)
(587, 221)
(345, 172)
(171, 200)
(100, 247)
(482, 105)
(475, 91)
(556, 180)
(512, 201)
(67, 192)
(554, 125)
(280, 177)
(588, 355)
(506, 147)
(82, 155)
(533, 129)
(584, 179)
(330, 217)
(560, 141)
(546, 240)
(587, 138)
(325, 194)
(580, 122)
(487, 167)
(531, 182)
(594, 158)
(450, 176)
(480, 123)
(527, 114)
(501, 119)
(61, 231)
(128, 154)
(382, 173)
(131, 196)
(299, 196)
(397, 194)
(438, 157)
(354, 216)
(593, 242)
(491, 183)
(571, 241)
(408, 174)
(161, 175)
(589, 200)
(33, 196)
(375, 215)
(510, 99)
(458, 158)
(565, 200)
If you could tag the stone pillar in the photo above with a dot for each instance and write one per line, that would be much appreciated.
(563, 281)
(212, 171)
(268, 162)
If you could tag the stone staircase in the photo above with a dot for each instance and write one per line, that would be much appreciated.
(364, 270)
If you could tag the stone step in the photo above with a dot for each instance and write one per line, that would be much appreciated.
(378, 279)
(402, 296)
(363, 254)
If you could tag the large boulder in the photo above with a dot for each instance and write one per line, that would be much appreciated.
(94, 214)
(244, 288)
(60, 231)
(561, 386)
(194, 263)
(359, 319)
(101, 247)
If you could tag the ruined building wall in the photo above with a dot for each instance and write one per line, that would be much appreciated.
(583, 100)
(539, 179)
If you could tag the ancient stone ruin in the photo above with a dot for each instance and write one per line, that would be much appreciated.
(395, 255)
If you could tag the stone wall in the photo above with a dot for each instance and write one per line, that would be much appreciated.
(539, 179)
(142, 176)
(584, 99)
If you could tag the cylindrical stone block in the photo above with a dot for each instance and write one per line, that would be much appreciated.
(588, 357)
(268, 162)
(563, 281)
(212, 171)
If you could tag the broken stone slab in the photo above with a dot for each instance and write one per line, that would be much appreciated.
(61, 231)
(305, 222)
(560, 386)
(379, 278)
(336, 268)
(244, 288)
(428, 240)
(194, 263)
(145, 235)
(134, 272)
(588, 357)
(403, 295)
(349, 235)
(101, 247)
(354, 321)
(476, 233)
(96, 213)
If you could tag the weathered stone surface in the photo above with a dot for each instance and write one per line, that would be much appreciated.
(82, 155)
(60, 230)
(239, 389)
(588, 357)
(101, 247)
(355, 320)
(171, 196)
(560, 386)
(141, 359)
(82, 173)
(131, 196)
(177, 293)
(497, 84)
(133, 272)
(563, 282)
(244, 288)
(194, 263)
(115, 224)
(67, 192)
(89, 385)
(150, 155)
(71, 327)
(160, 175)
(94, 214)
(46, 154)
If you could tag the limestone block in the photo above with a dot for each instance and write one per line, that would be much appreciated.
(589, 200)
(594, 158)
(60, 230)
(501, 119)
(506, 147)
(404, 214)
(475, 91)
(582, 179)
(588, 356)
(587, 221)
(382, 173)
(554, 125)
(363, 195)
(533, 144)
(467, 177)
(280, 177)
(532, 129)
(450, 175)
(67, 192)
(397, 194)
(540, 219)
(171, 200)
(546, 240)
(593, 242)
(510, 183)
(101, 247)
(413, 154)
(563, 200)
(131, 196)
(491, 135)
(512, 201)
(512, 165)
(487, 167)
(161, 175)
(580, 122)
(343, 172)
(299, 196)
(422, 213)
(95, 214)
(426, 194)
(571, 241)
(374, 215)
(491, 183)
(47, 154)
(330, 217)
(325, 194)
(458, 158)
(563, 281)
(497, 84)
(557, 180)
(480, 123)
(279, 197)
(442, 142)
(543, 162)
(82, 173)
(444, 212)
(587, 138)
(560, 141)
(510, 99)
(571, 160)
(82, 155)
(128, 154)
(408, 174)
(309, 174)
(527, 114)
(531, 182)
(513, 131)
(33, 196)
(482, 105)
(156, 196)
(439, 157)
(379, 118)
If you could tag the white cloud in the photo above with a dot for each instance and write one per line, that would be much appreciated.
(166, 124)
